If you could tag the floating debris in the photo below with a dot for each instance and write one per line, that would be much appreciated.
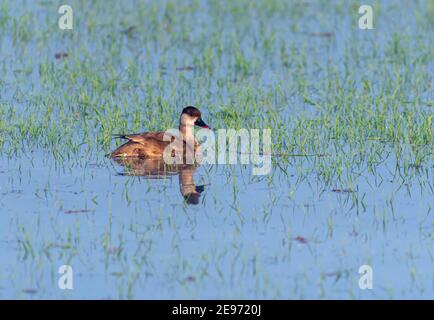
(60, 55)
(343, 190)
(329, 274)
(129, 32)
(415, 166)
(117, 274)
(78, 211)
(187, 68)
(336, 274)
(129, 29)
(301, 239)
(113, 250)
(30, 291)
(190, 279)
(322, 34)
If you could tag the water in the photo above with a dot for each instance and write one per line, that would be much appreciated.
(136, 237)
(291, 234)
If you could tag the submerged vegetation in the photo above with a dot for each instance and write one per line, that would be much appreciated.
(351, 114)
(250, 64)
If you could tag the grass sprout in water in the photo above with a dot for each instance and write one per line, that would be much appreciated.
(351, 117)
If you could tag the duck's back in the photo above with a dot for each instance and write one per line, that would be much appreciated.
(143, 145)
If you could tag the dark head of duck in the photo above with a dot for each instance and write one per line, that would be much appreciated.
(191, 112)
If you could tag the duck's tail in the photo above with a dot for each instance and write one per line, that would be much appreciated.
(117, 136)
(115, 154)
(110, 155)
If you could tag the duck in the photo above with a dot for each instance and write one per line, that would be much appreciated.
(151, 145)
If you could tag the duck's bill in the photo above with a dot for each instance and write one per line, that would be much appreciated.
(200, 123)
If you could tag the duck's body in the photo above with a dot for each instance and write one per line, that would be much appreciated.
(151, 145)
(147, 145)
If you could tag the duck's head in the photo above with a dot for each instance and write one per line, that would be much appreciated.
(191, 116)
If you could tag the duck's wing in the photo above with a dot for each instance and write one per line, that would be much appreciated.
(158, 136)
(144, 138)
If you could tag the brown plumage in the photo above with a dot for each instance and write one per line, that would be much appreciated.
(142, 145)
(152, 145)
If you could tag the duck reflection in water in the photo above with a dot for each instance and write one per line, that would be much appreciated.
(157, 169)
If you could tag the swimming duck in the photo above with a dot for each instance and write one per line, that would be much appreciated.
(152, 145)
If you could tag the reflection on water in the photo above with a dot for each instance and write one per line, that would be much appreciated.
(157, 169)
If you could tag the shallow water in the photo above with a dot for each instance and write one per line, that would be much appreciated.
(130, 237)
(301, 231)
